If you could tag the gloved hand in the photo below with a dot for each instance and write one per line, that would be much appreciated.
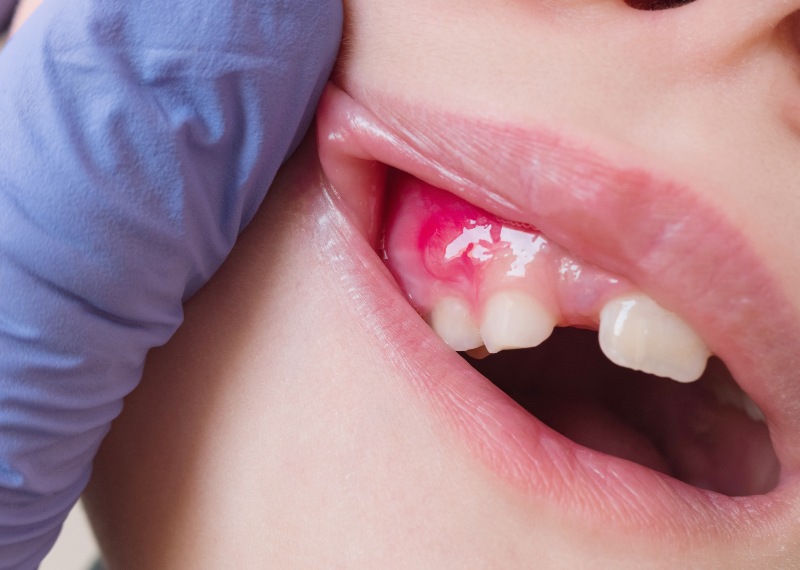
(137, 139)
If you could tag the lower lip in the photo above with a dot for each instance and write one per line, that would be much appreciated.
(585, 485)
(539, 462)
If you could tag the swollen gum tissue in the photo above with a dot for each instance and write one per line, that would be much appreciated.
(439, 245)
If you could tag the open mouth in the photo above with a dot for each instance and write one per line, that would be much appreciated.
(704, 434)
(490, 287)
(569, 423)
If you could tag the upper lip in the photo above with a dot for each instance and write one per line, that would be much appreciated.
(654, 231)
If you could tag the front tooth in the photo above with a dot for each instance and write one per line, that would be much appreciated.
(515, 320)
(452, 321)
(637, 333)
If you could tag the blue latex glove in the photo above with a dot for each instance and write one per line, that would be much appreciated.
(137, 139)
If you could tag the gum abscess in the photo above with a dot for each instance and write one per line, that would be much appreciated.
(437, 245)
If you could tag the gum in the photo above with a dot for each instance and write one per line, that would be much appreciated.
(436, 245)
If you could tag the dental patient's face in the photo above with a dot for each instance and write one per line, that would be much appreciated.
(517, 166)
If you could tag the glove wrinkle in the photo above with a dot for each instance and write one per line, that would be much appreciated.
(137, 140)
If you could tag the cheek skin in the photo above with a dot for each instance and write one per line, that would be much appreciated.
(305, 449)
(708, 98)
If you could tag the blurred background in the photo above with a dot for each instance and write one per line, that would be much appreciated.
(76, 548)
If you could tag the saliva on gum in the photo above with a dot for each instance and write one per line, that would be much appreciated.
(437, 244)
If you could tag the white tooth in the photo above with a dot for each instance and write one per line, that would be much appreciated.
(452, 321)
(729, 394)
(637, 333)
(752, 409)
(515, 320)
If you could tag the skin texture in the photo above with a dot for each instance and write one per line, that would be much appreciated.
(278, 428)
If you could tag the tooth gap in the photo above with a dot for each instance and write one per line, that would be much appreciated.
(478, 353)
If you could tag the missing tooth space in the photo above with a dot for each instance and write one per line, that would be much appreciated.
(701, 433)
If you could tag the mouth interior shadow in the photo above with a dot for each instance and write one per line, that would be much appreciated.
(698, 433)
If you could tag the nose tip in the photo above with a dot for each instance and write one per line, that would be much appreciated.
(710, 34)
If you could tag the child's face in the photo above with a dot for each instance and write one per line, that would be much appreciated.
(306, 417)
(707, 95)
